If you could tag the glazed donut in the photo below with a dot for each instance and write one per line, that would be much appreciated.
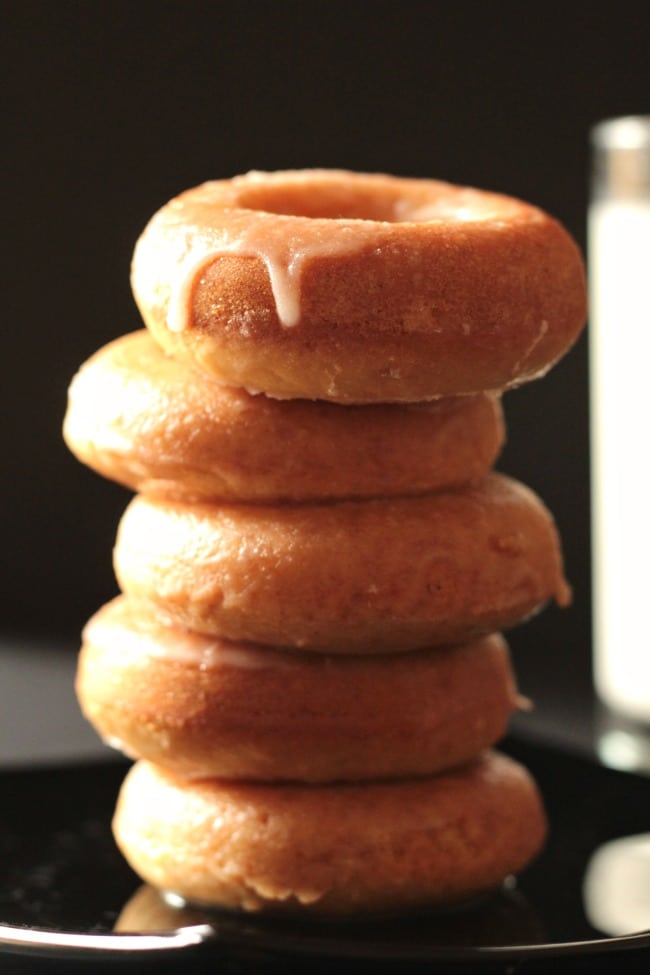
(359, 288)
(150, 422)
(331, 849)
(372, 576)
(201, 706)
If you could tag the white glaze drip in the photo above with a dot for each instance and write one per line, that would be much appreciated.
(190, 648)
(541, 332)
(283, 251)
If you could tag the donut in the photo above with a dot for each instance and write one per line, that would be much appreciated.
(374, 576)
(359, 288)
(202, 706)
(154, 424)
(351, 848)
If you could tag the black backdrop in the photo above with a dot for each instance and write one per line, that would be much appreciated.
(116, 106)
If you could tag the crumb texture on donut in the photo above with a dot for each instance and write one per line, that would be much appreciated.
(158, 426)
(202, 706)
(338, 849)
(359, 288)
(349, 577)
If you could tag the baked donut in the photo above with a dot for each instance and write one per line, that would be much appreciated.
(374, 576)
(202, 706)
(155, 425)
(359, 288)
(331, 849)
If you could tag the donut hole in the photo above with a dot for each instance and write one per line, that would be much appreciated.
(323, 198)
(319, 201)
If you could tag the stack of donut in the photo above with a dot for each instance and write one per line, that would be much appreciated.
(306, 658)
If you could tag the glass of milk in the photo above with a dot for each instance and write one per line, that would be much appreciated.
(619, 272)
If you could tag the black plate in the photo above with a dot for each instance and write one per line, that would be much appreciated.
(64, 888)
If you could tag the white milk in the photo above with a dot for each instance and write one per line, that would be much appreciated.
(619, 271)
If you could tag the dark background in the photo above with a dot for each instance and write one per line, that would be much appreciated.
(113, 108)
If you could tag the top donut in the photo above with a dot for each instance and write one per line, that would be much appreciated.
(359, 288)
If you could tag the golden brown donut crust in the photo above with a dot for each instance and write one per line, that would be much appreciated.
(347, 577)
(152, 423)
(405, 289)
(201, 706)
(339, 849)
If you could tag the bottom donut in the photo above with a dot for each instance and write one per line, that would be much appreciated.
(332, 850)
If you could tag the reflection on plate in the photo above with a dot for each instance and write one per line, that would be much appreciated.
(616, 887)
(503, 918)
(60, 871)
